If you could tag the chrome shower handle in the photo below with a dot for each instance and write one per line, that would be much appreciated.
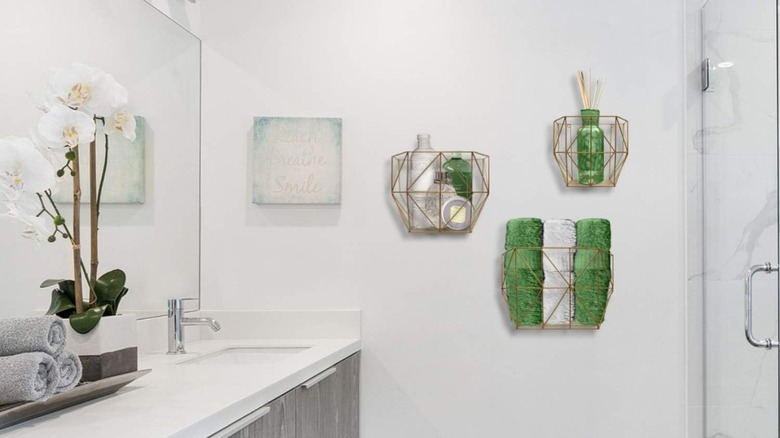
(767, 343)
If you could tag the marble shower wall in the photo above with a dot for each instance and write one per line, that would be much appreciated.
(732, 216)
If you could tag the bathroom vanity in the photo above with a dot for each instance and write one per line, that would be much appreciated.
(266, 388)
(323, 406)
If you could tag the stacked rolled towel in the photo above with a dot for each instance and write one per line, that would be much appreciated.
(558, 239)
(592, 270)
(70, 369)
(33, 361)
(27, 377)
(24, 335)
(523, 270)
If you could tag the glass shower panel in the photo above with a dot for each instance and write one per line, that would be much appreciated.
(739, 215)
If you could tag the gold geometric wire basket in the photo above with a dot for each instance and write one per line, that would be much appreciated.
(568, 158)
(557, 288)
(431, 209)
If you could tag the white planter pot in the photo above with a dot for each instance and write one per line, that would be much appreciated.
(110, 349)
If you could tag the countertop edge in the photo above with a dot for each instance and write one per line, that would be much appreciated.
(243, 407)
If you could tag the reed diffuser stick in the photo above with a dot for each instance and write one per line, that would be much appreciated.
(583, 92)
(590, 88)
(600, 84)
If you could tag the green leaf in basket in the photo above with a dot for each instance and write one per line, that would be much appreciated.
(84, 322)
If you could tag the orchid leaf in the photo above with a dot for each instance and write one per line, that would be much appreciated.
(109, 290)
(109, 286)
(84, 322)
(61, 305)
(68, 287)
(118, 299)
(50, 283)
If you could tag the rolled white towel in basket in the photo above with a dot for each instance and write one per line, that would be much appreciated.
(559, 237)
(557, 299)
(38, 333)
(558, 233)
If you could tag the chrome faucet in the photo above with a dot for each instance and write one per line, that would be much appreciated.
(177, 321)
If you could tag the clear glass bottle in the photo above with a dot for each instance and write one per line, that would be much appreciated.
(422, 173)
(438, 194)
(459, 171)
(590, 149)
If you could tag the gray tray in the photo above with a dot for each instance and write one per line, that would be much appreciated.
(20, 412)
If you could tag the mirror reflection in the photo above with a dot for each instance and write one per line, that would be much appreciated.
(149, 216)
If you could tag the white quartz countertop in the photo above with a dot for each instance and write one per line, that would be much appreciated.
(193, 400)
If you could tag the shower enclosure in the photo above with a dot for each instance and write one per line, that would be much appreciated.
(732, 212)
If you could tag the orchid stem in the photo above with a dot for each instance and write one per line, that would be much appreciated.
(70, 236)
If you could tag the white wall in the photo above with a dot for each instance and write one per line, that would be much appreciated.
(440, 356)
(184, 12)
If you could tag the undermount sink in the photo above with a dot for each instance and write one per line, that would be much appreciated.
(245, 356)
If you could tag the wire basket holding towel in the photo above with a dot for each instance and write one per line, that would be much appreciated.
(557, 288)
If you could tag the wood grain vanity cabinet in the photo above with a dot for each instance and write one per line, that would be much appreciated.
(279, 422)
(325, 406)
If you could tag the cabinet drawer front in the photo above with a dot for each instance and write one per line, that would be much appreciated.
(242, 423)
(327, 404)
(275, 420)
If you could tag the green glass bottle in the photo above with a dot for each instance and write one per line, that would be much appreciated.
(459, 171)
(590, 149)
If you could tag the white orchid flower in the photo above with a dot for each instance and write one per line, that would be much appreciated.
(123, 123)
(35, 227)
(64, 126)
(87, 89)
(40, 100)
(23, 169)
(55, 154)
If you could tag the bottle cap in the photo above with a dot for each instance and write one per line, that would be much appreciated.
(423, 137)
(440, 177)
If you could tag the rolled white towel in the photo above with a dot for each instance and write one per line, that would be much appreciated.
(70, 369)
(559, 237)
(26, 335)
(557, 298)
(27, 377)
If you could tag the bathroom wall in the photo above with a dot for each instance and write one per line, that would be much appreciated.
(731, 138)
(440, 356)
(184, 12)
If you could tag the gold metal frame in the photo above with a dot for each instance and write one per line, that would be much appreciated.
(615, 148)
(518, 261)
(407, 200)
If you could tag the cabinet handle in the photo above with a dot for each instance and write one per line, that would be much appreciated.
(242, 422)
(318, 378)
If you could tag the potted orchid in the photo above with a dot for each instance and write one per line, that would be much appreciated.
(75, 100)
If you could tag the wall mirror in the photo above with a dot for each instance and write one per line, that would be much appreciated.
(154, 237)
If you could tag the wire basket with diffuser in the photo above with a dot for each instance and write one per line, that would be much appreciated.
(590, 149)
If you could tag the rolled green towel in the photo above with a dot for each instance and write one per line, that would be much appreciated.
(523, 270)
(592, 270)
